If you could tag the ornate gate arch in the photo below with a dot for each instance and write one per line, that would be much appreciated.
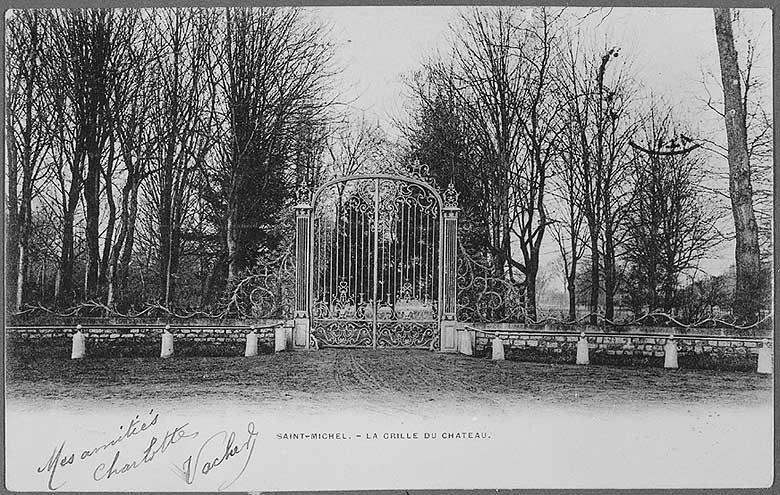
(376, 264)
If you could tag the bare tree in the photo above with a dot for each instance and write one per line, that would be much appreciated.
(87, 46)
(499, 83)
(748, 267)
(488, 83)
(68, 157)
(542, 128)
(670, 229)
(599, 113)
(568, 226)
(353, 147)
(275, 69)
(620, 123)
(182, 134)
(132, 104)
(27, 119)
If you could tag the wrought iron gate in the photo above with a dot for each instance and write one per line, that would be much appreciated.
(375, 265)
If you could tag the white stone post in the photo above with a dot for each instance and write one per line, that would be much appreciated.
(498, 349)
(78, 349)
(280, 339)
(582, 350)
(765, 359)
(251, 343)
(670, 352)
(166, 348)
(465, 346)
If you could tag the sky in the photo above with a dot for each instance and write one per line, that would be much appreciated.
(672, 51)
(376, 46)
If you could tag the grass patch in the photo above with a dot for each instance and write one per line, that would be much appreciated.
(721, 362)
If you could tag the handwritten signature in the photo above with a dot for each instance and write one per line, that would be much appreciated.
(216, 450)
(170, 438)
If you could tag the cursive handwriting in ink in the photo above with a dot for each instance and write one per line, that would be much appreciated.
(55, 461)
(155, 446)
(225, 442)
(135, 427)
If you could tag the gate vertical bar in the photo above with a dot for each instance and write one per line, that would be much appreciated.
(303, 241)
(375, 258)
(449, 286)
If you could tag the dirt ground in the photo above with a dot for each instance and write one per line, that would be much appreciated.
(611, 427)
(370, 379)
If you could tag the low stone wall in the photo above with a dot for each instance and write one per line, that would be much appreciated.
(644, 346)
(700, 348)
(142, 338)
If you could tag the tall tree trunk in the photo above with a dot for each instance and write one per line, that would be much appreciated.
(116, 251)
(571, 288)
(25, 210)
(12, 227)
(25, 222)
(22, 268)
(532, 269)
(64, 290)
(571, 284)
(231, 240)
(747, 302)
(594, 275)
(92, 202)
(127, 250)
(105, 259)
(571, 279)
(609, 272)
(165, 219)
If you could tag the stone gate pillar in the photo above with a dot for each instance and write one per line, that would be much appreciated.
(300, 332)
(449, 323)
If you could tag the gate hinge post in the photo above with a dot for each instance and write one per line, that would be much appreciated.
(449, 318)
(300, 332)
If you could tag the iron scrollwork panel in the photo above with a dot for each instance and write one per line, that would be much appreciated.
(343, 333)
(407, 334)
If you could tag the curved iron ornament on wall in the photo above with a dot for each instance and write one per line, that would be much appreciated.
(268, 292)
(483, 297)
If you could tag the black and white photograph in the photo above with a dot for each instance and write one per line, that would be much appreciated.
(282, 248)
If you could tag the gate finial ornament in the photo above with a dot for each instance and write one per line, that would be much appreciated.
(421, 172)
(451, 196)
(303, 194)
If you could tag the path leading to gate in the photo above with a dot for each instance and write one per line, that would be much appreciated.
(386, 380)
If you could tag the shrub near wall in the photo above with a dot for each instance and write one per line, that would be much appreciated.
(138, 339)
(719, 349)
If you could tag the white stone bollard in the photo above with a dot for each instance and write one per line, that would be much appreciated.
(79, 348)
(670, 352)
(765, 359)
(465, 346)
(498, 350)
(280, 339)
(582, 350)
(251, 343)
(166, 349)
